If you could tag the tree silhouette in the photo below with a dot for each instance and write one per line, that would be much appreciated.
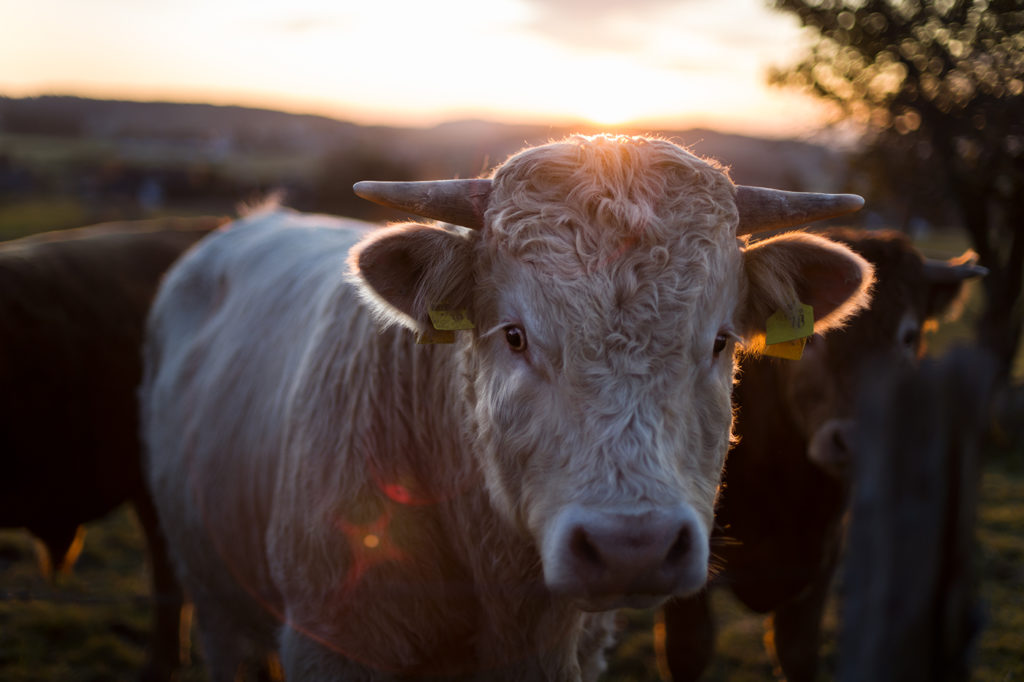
(939, 90)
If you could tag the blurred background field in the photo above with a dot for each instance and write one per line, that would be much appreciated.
(64, 158)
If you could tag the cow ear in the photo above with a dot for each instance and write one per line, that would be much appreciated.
(834, 280)
(405, 270)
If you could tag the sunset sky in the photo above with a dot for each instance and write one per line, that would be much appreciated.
(661, 63)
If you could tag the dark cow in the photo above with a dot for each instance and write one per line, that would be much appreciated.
(72, 307)
(778, 518)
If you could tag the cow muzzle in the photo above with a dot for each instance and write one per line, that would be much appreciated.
(831, 447)
(611, 559)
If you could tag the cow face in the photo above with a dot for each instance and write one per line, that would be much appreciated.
(823, 388)
(608, 291)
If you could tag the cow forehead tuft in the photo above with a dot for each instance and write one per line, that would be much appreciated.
(630, 234)
(603, 195)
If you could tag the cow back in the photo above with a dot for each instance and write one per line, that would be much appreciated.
(72, 307)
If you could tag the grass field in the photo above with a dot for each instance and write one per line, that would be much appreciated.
(92, 625)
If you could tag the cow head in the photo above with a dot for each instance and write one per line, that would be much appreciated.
(609, 292)
(910, 292)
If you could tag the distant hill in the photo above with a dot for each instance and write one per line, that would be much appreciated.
(75, 116)
(463, 148)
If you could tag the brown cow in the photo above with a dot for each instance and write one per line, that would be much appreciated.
(778, 519)
(72, 307)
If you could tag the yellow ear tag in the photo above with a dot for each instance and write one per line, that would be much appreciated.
(444, 323)
(786, 332)
(449, 319)
(788, 350)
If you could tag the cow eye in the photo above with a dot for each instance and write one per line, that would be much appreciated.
(910, 338)
(516, 338)
(720, 342)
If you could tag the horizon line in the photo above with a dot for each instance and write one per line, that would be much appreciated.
(433, 120)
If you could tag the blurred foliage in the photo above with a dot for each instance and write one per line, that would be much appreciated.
(938, 88)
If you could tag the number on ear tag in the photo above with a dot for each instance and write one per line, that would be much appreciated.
(786, 325)
(787, 331)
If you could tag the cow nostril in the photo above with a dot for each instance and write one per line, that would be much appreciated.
(681, 547)
(582, 548)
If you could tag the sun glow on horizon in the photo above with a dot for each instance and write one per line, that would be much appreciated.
(612, 91)
(610, 113)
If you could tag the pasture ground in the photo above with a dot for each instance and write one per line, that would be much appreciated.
(92, 625)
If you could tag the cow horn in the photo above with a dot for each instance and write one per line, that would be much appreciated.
(460, 202)
(463, 202)
(762, 209)
(953, 270)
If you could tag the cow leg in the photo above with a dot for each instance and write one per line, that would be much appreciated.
(229, 655)
(689, 639)
(166, 639)
(794, 629)
(57, 547)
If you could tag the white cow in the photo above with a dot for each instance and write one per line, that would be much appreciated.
(373, 508)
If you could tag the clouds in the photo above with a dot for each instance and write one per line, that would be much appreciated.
(613, 25)
(695, 36)
(600, 25)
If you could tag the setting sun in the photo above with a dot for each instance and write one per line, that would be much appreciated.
(613, 93)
